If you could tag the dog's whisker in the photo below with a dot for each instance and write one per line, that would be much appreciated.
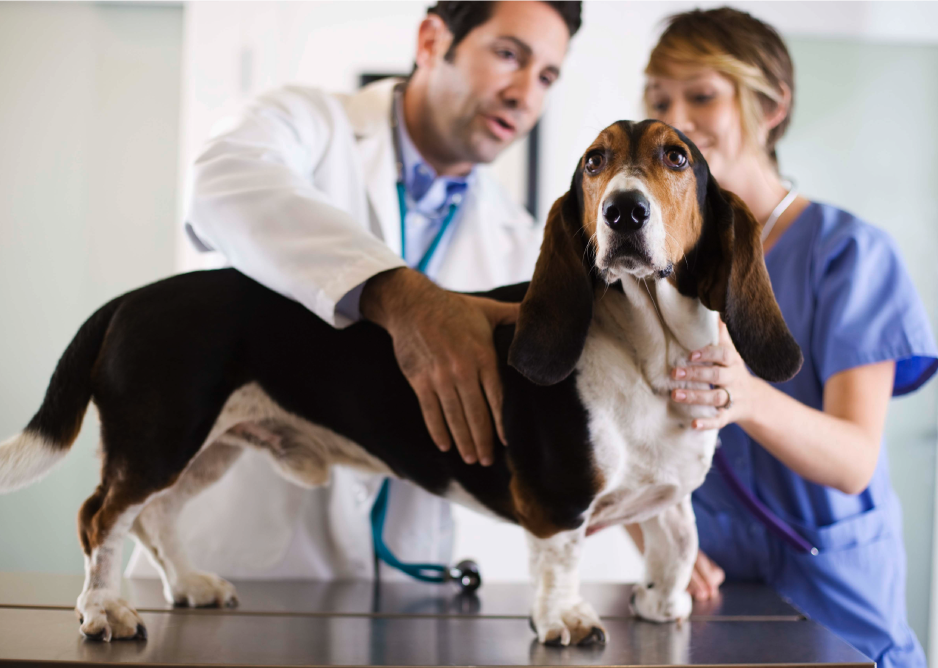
(653, 303)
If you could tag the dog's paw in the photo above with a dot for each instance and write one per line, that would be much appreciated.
(200, 590)
(576, 624)
(103, 615)
(657, 605)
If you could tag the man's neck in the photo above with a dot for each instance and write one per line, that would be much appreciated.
(420, 131)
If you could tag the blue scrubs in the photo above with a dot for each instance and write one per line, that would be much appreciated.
(848, 301)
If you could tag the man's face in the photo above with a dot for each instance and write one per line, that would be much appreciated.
(492, 89)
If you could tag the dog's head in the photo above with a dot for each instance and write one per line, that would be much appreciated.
(643, 203)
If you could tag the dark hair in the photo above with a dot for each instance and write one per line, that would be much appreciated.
(750, 43)
(461, 16)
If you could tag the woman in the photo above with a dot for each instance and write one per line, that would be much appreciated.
(809, 449)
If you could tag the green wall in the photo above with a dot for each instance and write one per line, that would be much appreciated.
(88, 179)
(864, 138)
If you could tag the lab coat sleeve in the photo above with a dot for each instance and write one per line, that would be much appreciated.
(264, 194)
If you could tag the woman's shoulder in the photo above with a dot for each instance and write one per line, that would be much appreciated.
(839, 235)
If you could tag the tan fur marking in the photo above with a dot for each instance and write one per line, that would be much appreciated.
(676, 191)
(615, 143)
(530, 512)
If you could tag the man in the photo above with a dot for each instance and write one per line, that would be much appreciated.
(301, 196)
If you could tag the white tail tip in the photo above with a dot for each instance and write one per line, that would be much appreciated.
(25, 458)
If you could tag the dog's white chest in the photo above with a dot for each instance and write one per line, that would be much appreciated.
(644, 446)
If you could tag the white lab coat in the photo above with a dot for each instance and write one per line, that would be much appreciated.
(300, 195)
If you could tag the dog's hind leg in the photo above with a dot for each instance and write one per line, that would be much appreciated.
(103, 523)
(560, 615)
(670, 551)
(155, 529)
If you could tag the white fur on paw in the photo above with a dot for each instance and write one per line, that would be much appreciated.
(569, 624)
(105, 616)
(657, 605)
(199, 590)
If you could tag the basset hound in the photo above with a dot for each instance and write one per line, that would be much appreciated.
(639, 259)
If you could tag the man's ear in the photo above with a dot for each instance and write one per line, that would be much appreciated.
(557, 310)
(433, 41)
(731, 278)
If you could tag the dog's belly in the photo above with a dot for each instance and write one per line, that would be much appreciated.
(301, 451)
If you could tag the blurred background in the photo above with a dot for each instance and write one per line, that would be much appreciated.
(105, 105)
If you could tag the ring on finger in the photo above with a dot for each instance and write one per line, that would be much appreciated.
(729, 400)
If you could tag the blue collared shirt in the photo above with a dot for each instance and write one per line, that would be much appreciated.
(429, 198)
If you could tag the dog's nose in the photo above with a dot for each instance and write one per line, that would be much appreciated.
(626, 211)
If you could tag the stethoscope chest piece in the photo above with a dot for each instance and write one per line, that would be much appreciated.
(466, 574)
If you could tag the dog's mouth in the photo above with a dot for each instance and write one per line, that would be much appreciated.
(626, 257)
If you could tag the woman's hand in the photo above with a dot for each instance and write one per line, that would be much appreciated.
(706, 579)
(723, 368)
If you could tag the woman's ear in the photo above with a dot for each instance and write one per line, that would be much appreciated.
(731, 278)
(557, 310)
(781, 110)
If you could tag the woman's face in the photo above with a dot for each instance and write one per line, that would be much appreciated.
(702, 104)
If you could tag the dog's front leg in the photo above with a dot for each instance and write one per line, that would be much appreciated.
(560, 616)
(670, 552)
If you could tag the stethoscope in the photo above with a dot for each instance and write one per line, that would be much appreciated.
(466, 573)
(759, 510)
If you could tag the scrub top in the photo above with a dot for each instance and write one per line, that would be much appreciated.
(849, 301)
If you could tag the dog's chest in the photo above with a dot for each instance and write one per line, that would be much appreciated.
(643, 443)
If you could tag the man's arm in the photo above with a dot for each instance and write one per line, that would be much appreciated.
(256, 200)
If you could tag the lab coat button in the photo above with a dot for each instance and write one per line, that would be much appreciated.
(361, 494)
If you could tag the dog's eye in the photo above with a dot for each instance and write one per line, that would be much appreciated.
(675, 158)
(595, 162)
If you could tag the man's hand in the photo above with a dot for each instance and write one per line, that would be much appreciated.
(443, 344)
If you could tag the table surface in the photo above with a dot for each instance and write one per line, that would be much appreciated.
(305, 623)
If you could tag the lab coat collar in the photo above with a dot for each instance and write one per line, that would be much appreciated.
(369, 112)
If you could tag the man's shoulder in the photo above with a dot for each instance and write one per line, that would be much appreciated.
(364, 112)
(299, 99)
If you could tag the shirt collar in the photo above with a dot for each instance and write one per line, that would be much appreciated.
(419, 176)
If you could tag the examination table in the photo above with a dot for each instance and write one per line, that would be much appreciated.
(305, 623)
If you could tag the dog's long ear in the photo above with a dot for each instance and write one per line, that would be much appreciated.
(557, 310)
(732, 279)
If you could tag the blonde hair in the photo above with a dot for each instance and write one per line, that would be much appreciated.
(742, 48)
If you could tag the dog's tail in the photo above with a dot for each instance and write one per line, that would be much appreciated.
(47, 438)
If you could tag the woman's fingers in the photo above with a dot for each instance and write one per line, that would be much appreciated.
(715, 375)
(712, 354)
(706, 578)
(712, 573)
(717, 398)
(698, 587)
